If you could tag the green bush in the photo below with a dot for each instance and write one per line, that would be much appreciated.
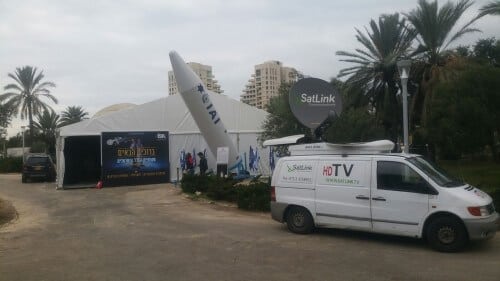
(193, 183)
(255, 196)
(11, 165)
(222, 189)
(496, 199)
(215, 187)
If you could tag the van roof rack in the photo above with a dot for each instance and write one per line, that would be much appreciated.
(284, 141)
(380, 146)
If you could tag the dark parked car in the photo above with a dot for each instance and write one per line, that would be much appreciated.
(38, 166)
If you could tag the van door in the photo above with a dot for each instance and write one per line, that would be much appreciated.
(399, 198)
(343, 192)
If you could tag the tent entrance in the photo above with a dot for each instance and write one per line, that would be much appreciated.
(82, 156)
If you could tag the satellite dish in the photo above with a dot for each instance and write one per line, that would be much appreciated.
(313, 100)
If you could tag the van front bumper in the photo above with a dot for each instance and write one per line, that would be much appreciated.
(278, 211)
(481, 229)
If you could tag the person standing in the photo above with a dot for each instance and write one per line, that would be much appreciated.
(189, 164)
(203, 163)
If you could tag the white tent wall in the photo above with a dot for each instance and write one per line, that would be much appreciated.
(194, 142)
(243, 143)
(188, 142)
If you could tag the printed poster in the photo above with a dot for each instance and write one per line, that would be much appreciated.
(134, 158)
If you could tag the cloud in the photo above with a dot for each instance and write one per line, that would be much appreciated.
(105, 52)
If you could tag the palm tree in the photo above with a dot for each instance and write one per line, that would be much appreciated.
(375, 68)
(493, 8)
(434, 26)
(46, 124)
(73, 114)
(25, 94)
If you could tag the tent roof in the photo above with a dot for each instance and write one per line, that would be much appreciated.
(113, 108)
(170, 114)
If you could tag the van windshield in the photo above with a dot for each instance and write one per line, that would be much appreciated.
(437, 174)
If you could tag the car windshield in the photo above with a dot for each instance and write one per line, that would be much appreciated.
(437, 174)
(37, 160)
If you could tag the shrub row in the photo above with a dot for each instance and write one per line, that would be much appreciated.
(255, 196)
(11, 165)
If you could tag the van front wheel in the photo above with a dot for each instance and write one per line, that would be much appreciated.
(446, 234)
(299, 220)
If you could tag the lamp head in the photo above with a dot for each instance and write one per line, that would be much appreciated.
(404, 68)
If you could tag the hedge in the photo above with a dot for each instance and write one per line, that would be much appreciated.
(496, 199)
(11, 165)
(254, 196)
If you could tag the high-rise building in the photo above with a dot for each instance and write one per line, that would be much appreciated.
(205, 74)
(266, 81)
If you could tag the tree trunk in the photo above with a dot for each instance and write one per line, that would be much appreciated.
(30, 118)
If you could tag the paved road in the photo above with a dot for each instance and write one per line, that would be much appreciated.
(155, 233)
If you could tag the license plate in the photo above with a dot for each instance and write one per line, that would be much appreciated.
(38, 168)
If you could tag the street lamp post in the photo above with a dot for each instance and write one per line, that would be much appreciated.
(404, 71)
(22, 130)
(4, 137)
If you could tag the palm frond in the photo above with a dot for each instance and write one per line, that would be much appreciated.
(73, 114)
(13, 87)
(15, 78)
(434, 25)
(349, 54)
(51, 97)
(460, 34)
(492, 8)
(7, 96)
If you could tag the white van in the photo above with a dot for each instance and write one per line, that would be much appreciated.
(364, 187)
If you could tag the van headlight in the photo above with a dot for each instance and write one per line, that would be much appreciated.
(482, 211)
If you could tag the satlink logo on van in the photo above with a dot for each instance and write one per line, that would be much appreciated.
(299, 168)
(339, 174)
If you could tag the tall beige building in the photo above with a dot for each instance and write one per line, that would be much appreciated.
(205, 74)
(265, 83)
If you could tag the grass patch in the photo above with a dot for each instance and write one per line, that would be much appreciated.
(481, 174)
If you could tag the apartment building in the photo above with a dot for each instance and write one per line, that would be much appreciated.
(266, 81)
(203, 71)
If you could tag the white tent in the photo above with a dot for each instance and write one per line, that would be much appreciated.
(243, 123)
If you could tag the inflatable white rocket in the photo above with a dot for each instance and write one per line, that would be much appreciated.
(205, 115)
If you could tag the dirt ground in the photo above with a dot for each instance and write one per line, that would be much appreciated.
(155, 233)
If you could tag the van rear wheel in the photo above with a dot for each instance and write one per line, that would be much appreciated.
(299, 220)
(446, 234)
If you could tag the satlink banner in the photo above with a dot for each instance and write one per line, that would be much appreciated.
(133, 158)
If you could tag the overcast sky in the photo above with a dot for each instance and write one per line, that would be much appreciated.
(105, 52)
